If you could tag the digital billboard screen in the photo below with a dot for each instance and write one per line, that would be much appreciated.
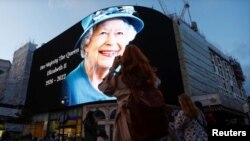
(68, 67)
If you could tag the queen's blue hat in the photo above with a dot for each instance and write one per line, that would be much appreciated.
(110, 13)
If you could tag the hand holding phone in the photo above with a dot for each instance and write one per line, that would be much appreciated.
(116, 63)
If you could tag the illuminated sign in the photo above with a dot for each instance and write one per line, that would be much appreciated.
(59, 69)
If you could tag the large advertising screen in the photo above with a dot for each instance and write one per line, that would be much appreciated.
(68, 67)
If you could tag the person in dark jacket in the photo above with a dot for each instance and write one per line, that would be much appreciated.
(90, 127)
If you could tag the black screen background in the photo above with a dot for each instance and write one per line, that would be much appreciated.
(156, 40)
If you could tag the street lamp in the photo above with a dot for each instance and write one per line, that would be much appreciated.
(64, 102)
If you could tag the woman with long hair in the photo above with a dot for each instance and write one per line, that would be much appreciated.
(135, 73)
(190, 122)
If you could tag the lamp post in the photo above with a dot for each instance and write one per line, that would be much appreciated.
(64, 102)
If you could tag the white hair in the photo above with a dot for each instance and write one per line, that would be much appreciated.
(86, 38)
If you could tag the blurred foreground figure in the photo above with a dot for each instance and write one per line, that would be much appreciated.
(190, 122)
(90, 127)
(141, 108)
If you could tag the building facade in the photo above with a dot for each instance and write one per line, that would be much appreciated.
(68, 122)
(14, 94)
(211, 77)
(19, 75)
(4, 72)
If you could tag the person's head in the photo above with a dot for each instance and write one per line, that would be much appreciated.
(187, 105)
(136, 67)
(106, 34)
(91, 116)
(198, 104)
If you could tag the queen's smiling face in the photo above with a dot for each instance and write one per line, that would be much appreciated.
(109, 39)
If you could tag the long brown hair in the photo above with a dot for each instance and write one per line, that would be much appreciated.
(136, 70)
(187, 106)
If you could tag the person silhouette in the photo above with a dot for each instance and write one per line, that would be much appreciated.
(190, 122)
(135, 73)
(90, 126)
